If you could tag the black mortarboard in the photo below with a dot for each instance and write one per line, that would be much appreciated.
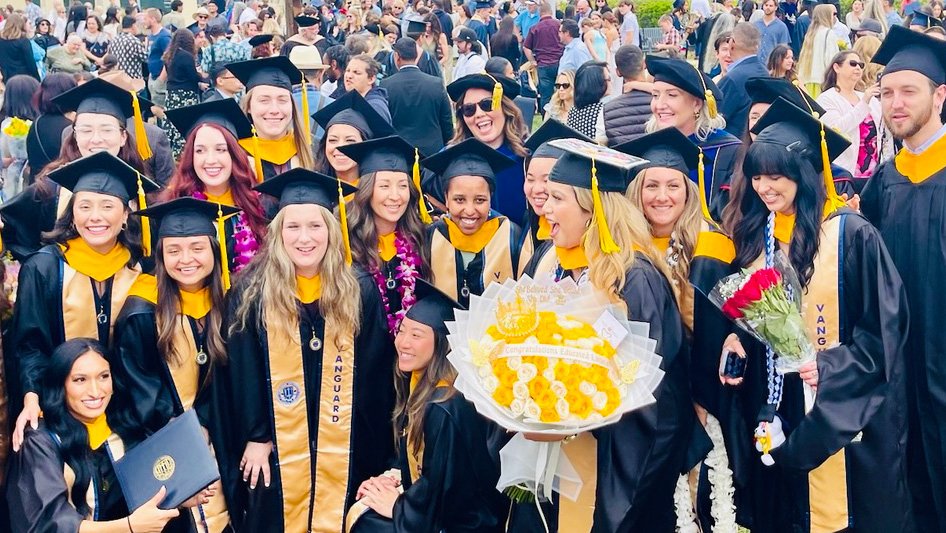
(682, 74)
(416, 27)
(666, 148)
(575, 168)
(386, 153)
(456, 90)
(468, 158)
(484, 4)
(276, 71)
(767, 90)
(432, 308)
(102, 173)
(262, 38)
(301, 186)
(305, 21)
(352, 109)
(922, 19)
(187, 217)
(905, 49)
(100, 97)
(551, 129)
(225, 112)
(784, 124)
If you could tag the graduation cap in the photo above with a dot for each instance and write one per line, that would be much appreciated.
(499, 85)
(682, 74)
(225, 112)
(352, 109)
(484, 4)
(551, 129)
(306, 21)
(101, 97)
(763, 89)
(666, 148)
(432, 308)
(302, 186)
(468, 158)
(416, 27)
(905, 49)
(276, 71)
(925, 20)
(190, 217)
(262, 38)
(788, 126)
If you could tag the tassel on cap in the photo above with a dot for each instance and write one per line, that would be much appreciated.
(711, 107)
(608, 245)
(306, 118)
(701, 181)
(833, 201)
(343, 218)
(257, 161)
(801, 93)
(497, 91)
(141, 137)
(145, 223)
(415, 175)
(222, 242)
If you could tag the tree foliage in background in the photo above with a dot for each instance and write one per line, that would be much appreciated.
(649, 11)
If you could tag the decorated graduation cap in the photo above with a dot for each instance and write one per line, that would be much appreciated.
(905, 49)
(589, 166)
(499, 85)
(101, 97)
(262, 38)
(301, 186)
(353, 110)
(190, 217)
(785, 125)
(925, 20)
(682, 74)
(391, 153)
(538, 143)
(432, 308)
(306, 21)
(225, 112)
(468, 158)
(763, 89)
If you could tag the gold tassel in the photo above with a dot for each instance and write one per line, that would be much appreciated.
(497, 91)
(415, 174)
(834, 201)
(145, 223)
(305, 112)
(343, 218)
(701, 174)
(711, 104)
(222, 242)
(257, 161)
(141, 137)
(608, 245)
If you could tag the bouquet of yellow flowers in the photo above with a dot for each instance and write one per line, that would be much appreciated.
(17, 128)
(539, 356)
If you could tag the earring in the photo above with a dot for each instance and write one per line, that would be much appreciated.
(124, 226)
(696, 114)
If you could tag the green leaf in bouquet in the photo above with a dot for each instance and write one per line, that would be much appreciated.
(519, 494)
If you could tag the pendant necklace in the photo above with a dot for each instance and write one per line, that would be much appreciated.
(315, 343)
(101, 318)
(390, 283)
(465, 290)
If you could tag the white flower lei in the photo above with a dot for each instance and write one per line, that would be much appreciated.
(722, 507)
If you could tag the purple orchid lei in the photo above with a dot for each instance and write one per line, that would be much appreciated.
(245, 246)
(406, 277)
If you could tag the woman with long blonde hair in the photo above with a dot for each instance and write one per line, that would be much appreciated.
(820, 46)
(874, 9)
(307, 349)
(609, 246)
(563, 99)
(866, 47)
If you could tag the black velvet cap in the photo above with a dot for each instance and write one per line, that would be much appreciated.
(922, 19)
(276, 71)
(305, 21)
(458, 88)
(416, 27)
(225, 112)
(767, 90)
(574, 167)
(551, 129)
(784, 124)
(682, 74)
(387, 153)
(433, 307)
(301, 186)
(468, 158)
(100, 97)
(187, 217)
(102, 173)
(262, 38)
(666, 148)
(352, 109)
(905, 49)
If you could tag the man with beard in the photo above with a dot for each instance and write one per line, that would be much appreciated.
(336, 61)
(906, 200)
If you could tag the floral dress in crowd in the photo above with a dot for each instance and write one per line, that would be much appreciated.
(867, 151)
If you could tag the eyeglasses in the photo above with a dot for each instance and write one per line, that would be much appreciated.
(202, 16)
(562, 85)
(468, 110)
(855, 63)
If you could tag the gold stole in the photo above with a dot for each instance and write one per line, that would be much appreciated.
(333, 445)
(78, 302)
(497, 261)
(116, 448)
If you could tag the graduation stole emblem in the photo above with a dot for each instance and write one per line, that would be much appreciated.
(497, 262)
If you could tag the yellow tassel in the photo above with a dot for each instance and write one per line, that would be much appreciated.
(145, 223)
(834, 201)
(608, 245)
(222, 242)
(343, 218)
(141, 137)
(424, 214)
(257, 161)
(701, 174)
(711, 104)
(497, 95)
(306, 119)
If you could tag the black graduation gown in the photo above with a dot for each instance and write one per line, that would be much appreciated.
(372, 440)
(911, 220)
(25, 217)
(639, 457)
(149, 383)
(861, 397)
(456, 491)
(720, 153)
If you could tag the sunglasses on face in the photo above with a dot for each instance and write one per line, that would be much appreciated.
(855, 63)
(562, 85)
(468, 110)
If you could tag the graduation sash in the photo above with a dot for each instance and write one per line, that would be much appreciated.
(116, 450)
(497, 260)
(311, 504)
(78, 301)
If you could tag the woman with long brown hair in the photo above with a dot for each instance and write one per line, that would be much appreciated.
(183, 81)
(350, 119)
